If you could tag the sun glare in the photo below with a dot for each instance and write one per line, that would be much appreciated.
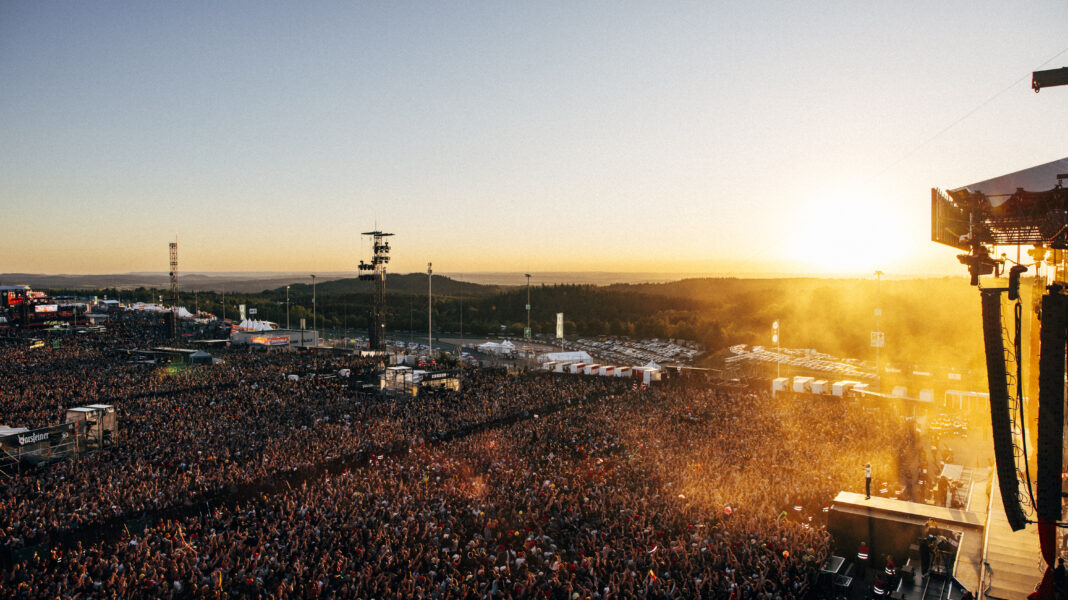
(844, 232)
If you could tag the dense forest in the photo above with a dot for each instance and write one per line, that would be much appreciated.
(926, 321)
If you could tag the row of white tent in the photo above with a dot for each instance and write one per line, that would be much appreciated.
(497, 349)
(255, 325)
(647, 374)
(148, 307)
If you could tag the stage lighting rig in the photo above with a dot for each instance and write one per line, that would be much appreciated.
(1025, 208)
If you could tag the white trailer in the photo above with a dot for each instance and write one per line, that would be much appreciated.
(839, 388)
(802, 384)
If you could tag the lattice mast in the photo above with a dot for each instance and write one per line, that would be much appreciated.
(174, 287)
(376, 271)
(174, 272)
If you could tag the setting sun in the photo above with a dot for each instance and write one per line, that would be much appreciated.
(845, 231)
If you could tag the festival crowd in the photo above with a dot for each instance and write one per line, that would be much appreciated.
(516, 486)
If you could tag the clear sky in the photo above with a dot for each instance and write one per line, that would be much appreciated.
(496, 136)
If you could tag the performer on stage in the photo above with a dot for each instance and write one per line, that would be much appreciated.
(867, 481)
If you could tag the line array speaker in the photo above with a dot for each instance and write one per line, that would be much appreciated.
(1000, 420)
(1051, 406)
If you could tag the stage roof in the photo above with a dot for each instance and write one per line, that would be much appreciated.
(1039, 178)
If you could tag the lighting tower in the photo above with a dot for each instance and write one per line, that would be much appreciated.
(878, 339)
(174, 286)
(526, 333)
(376, 271)
(429, 310)
(174, 272)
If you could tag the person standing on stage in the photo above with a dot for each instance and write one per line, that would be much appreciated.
(867, 481)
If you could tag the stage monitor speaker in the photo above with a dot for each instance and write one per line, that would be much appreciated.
(1051, 406)
(1000, 420)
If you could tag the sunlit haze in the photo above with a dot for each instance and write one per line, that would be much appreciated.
(681, 137)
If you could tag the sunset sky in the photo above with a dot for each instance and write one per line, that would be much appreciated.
(711, 137)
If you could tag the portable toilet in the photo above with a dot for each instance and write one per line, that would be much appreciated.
(819, 387)
(780, 384)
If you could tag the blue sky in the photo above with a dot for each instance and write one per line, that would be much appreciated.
(691, 137)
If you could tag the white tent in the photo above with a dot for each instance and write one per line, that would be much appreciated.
(254, 325)
(495, 348)
(182, 312)
(566, 357)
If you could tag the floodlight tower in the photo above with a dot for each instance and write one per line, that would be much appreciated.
(376, 271)
(430, 310)
(174, 272)
(526, 334)
(174, 286)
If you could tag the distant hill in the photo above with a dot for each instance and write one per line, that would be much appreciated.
(410, 283)
(249, 283)
(215, 282)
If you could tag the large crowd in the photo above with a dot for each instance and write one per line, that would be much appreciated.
(516, 486)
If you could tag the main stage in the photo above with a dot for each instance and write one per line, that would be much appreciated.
(939, 552)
